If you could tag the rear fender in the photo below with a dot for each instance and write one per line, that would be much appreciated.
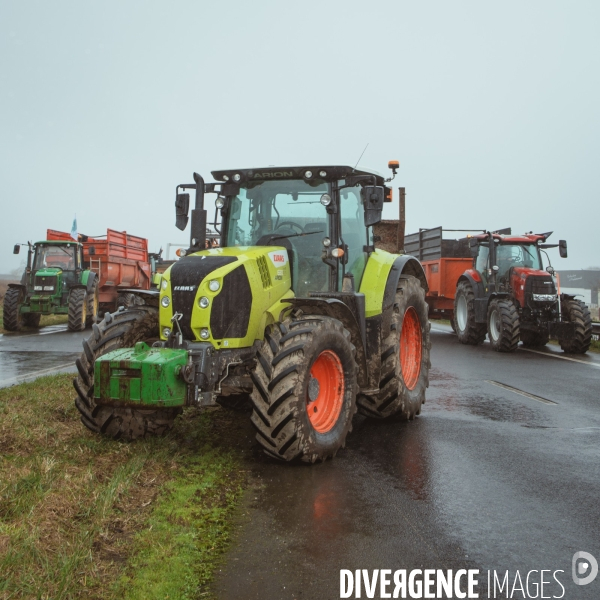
(336, 309)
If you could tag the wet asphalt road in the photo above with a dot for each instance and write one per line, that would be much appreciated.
(30, 354)
(485, 478)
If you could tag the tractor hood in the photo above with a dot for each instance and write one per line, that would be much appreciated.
(222, 294)
(48, 272)
(525, 272)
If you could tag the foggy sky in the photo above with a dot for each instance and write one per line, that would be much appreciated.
(491, 108)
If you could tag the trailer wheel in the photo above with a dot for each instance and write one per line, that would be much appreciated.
(503, 325)
(78, 303)
(119, 330)
(405, 358)
(467, 330)
(534, 339)
(305, 389)
(13, 318)
(577, 312)
(93, 305)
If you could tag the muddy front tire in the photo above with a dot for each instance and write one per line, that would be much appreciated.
(78, 304)
(577, 312)
(467, 330)
(503, 325)
(13, 319)
(305, 389)
(119, 330)
(405, 360)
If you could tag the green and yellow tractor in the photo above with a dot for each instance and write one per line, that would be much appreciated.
(296, 311)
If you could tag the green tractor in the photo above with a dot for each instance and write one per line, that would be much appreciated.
(296, 311)
(55, 282)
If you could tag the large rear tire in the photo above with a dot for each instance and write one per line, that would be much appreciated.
(13, 319)
(534, 339)
(577, 312)
(305, 389)
(405, 361)
(467, 330)
(119, 330)
(503, 325)
(78, 304)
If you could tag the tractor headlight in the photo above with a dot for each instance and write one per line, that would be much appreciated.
(308, 174)
(165, 301)
(323, 173)
(164, 284)
(237, 177)
(214, 285)
(203, 302)
(220, 202)
(166, 332)
(204, 333)
(325, 199)
(326, 242)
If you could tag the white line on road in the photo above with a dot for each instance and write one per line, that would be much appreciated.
(583, 362)
(35, 374)
(515, 390)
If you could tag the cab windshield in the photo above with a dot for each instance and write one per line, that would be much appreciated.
(57, 257)
(517, 255)
(278, 213)
(277, 208)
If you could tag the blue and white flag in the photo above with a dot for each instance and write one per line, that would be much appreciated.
(74, 229)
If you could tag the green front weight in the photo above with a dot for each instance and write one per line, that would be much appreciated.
(144, 376)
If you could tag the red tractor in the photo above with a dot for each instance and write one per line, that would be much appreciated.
(509, 296)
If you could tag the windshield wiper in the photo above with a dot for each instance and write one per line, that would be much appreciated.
(281, 237)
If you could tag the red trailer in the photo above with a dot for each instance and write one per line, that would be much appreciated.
(119, 259)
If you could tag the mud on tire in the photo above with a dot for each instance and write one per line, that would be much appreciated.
(305, 365)
(13, 319)
(503, 325)
(405, 358)
(93, 305)
(119, 330)
(78, 304)
(577, 312)
(467, 330)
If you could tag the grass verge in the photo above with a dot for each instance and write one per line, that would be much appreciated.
(86, 517)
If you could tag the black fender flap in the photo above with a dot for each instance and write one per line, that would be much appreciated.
(332, 307)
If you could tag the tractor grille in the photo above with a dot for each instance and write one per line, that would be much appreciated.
(540, 284)
(230, 314)
(45, 285)
(264, 272)
(186, 275)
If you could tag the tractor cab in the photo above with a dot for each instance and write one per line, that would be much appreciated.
(56, 266)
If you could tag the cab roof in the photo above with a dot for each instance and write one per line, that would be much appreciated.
(58, 243)
(307, 173)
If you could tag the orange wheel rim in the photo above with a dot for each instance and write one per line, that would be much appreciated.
(325, 394)
(411, 348)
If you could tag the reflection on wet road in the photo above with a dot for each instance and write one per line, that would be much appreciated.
(31, 354)
(486, 478)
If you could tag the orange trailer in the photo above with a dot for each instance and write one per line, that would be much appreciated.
(119, 259)
(444, 262)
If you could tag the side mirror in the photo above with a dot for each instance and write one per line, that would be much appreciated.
(473, 247)
(562, 248)
(17, 249)
(373, 198)
(182, 207)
